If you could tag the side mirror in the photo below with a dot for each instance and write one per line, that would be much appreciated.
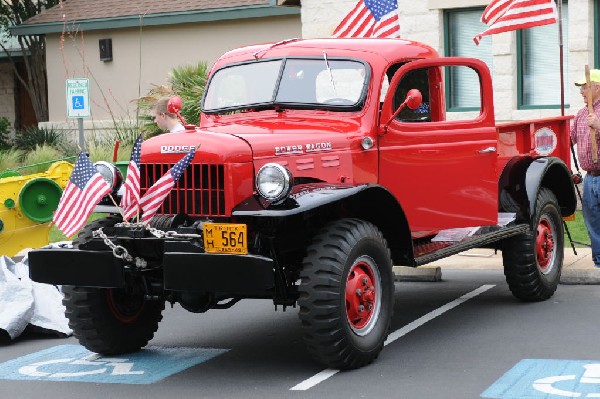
(414, 98)
(174, 105)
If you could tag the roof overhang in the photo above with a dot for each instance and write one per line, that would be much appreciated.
(130, 21)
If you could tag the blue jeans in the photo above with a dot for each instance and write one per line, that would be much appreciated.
(591, 213)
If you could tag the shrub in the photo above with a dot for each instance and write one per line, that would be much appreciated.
(31, 137)
(40, 158)
(188, 82)
(10, 159)
(4, 133)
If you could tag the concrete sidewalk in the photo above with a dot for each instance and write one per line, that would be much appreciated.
(577, 269)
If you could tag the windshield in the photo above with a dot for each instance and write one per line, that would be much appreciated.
(291, 83)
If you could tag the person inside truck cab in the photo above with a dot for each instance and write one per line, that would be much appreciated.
(581, 125)
(415, 79)
(164, 119)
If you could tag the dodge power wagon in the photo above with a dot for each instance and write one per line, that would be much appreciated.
(320, 165)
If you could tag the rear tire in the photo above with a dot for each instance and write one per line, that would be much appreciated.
(346, 294)
(111, 321)
(533, 261)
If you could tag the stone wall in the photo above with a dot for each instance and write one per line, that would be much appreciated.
(7, 92)
(423, 21)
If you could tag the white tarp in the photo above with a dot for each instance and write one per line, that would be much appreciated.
(24, 302)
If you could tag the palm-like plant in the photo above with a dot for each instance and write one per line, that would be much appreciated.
(186, 81)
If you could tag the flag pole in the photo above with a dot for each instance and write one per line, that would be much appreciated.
(561, 58)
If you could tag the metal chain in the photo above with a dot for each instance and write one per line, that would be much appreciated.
(171, 234)
(119, 251)
(159, 233)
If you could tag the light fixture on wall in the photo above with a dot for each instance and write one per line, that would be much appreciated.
(105, 49)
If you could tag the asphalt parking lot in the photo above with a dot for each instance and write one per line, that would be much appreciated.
(465, 336)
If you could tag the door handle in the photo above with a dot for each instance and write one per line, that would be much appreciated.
(487, 150)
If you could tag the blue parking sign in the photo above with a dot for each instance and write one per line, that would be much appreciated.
(78, 102)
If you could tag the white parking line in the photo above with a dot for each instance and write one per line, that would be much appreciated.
(325, 374)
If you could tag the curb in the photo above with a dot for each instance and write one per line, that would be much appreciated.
(423, 273)
(580, 276)
(434, 273)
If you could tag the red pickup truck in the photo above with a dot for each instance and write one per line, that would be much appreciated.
(323, 163)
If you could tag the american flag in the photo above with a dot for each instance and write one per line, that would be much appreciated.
(371, 18)
(508, 15)
(154, 197)
(130, 201)
(85, 189)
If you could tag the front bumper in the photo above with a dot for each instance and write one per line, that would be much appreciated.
(248, 275)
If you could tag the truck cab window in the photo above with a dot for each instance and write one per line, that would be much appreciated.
(416, 79)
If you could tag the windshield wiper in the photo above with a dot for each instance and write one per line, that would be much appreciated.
(330, 73)
(264, 50)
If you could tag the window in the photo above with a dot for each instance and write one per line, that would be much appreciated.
(416, 79)
(462, 89)
(597, 33)
(539, 64)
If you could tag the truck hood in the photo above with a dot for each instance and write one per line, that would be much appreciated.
(277, 136)
(214, 148)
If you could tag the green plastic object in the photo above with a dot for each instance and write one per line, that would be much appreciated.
(9, 203)
(9, 173)
(39, 199)
(122, 166)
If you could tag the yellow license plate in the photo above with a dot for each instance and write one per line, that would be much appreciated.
(225, 238)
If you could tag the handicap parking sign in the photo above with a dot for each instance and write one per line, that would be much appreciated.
(78, 102)
(75, 363)
(78, 98)
(548, 379)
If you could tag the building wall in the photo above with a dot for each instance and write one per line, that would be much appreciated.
(7, 92)
(143, 59)
(423, 21)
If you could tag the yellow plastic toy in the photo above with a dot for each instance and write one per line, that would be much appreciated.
(27, 204)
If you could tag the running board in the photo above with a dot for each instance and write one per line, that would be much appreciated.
(475, 241)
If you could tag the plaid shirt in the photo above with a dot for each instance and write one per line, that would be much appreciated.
(580, 135)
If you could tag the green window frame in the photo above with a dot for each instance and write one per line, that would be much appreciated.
(538, 65)
(460, 26)
(597, 33)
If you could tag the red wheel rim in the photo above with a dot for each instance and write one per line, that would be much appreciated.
(363, 295)
(125, 308)
(545, 244)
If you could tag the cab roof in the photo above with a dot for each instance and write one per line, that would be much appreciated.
(368, 49)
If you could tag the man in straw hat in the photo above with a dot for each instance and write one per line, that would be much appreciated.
(584, 131)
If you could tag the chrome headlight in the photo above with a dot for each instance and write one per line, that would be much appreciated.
(111, 174)
(274, 182)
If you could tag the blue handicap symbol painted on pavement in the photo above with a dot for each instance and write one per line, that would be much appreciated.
(548, 379)
(78, 102)
(75, 363)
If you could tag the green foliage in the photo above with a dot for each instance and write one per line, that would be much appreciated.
(187, 82)
(4, 133)
(578, 231)
(40, 158)
(31, 137)
(10, 159)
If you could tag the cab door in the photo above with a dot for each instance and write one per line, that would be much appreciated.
(442, 171)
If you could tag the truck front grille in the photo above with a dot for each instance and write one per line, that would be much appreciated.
(199, 192)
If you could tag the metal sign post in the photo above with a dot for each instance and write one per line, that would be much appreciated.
(78, 103)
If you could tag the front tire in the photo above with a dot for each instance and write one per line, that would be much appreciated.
(346, 294)
(533, 261)
(111, 321)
